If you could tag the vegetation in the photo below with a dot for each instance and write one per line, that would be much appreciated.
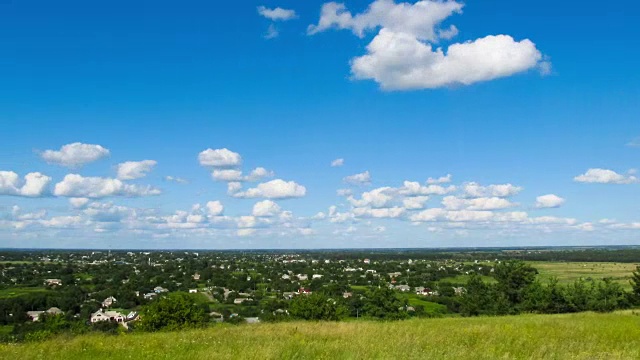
(569, 336)
(44, 294)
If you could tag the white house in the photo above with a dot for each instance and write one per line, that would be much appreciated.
(107, 316)
(193, 291)
(316, 276)
(53, 282)
(109, 301)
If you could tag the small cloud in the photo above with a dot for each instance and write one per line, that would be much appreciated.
(634, 143)
(176, 179)
(337, 162)
(358, 179)
(277, 14)
(272, 32)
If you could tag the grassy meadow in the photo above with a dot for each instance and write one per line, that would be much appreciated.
(567, 272)
(567, 336)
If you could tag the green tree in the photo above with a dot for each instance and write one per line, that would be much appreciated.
(317, 306)
(383, 303)
(635, 284)
(173, 312)
(513, 278)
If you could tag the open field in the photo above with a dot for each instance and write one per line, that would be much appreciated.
(567, 272)
(569, 336)
(18, 291)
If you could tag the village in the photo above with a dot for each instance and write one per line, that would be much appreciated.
(95, 286)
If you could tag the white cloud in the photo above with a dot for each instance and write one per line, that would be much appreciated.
(266, 208)
(214, 208)
(440, 180)
(393, 212)
(549, 201)
(337, 162)
(274, 189)
(219, 158)
(227, 175)
(245, 232)
(234, 175)
(473, 189)
(272, 32)
(34, 184)
(176, 179)
(376, 198)
(259, 173)
(358, 179)
(432, 214)
(247, 222)
(78, 203)
(74, 185)
(413, 188)
(482, 203)
(277, 14)
(415, 203)
(75, 154)
(344, 192)
(135, 169)
(604, 176)
(419, 19)
(399, 61)
(401, 55)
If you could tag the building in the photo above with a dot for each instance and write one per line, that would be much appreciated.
(239, 301)
(107, 316)
(196, 276)
(53, 282)
(193, 291)
(109, 301)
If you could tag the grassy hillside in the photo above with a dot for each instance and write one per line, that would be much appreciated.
(571, 336)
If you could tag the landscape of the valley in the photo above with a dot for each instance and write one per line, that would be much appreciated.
(318, 179)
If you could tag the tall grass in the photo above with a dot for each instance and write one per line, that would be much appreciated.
(567, 336)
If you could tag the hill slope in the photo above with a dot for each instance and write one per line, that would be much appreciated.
(572, 336)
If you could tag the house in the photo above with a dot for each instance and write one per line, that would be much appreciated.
(217, 317)
(239, 301)
(109, 301)
(196, 276)
(347, 295)
(132, 316)
(160, 289)
(252, 320)
(304, 291)
(395, 274)
(54, 311)
(403, 288)
(459, 291)
(285, 277)
(53, 282)
(107, 316)
(302, 277)
(287, 295)
(193, 291)
(366, 261)
(34, 315)
(316, 276)
(149, 296)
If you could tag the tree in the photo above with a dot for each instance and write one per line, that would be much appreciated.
(635, 284)
(513, 278)
(173, 312)
(383, 303)
(317, 306)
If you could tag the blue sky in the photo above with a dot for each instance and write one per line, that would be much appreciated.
(531, 107)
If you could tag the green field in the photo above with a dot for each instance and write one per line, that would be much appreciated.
(569, 336)
(567, 272)
(18, 291)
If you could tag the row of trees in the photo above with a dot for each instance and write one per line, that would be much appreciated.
(517, 290)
